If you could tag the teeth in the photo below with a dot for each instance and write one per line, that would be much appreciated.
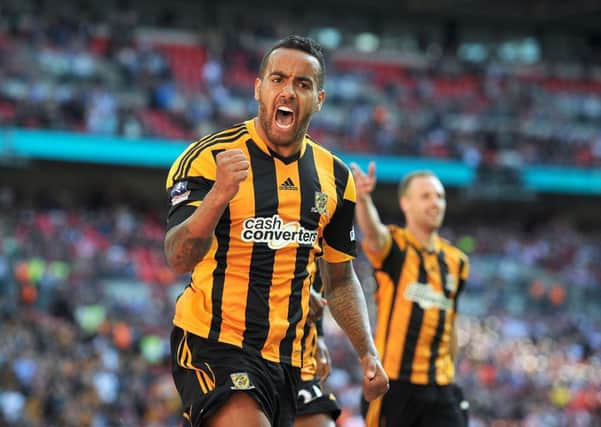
(289, 110)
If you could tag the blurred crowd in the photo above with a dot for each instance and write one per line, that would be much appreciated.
(86, 298)
(86, 302)
(109, 75)
(85, 306)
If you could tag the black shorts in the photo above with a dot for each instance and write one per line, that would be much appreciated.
(464, 405)
(311, 400)
(206, 373)
(414, 405)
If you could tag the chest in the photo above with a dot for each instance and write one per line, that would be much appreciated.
(437, 270)
(285, 195)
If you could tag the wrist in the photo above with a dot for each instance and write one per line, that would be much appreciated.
(217, 197)
(373, 354)
(363, 198)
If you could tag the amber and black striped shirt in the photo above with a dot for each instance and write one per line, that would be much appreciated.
(417, 302)
(309, 342)
(252, 287)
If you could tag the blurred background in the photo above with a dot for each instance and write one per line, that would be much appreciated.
(502, 99)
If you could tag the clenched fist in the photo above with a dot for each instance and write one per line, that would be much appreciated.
(375, 380)
(232, 169)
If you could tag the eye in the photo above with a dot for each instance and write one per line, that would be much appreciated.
(276, 79)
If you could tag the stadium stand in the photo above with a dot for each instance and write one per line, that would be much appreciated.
(178, 85)
(85, 295)
(87, 298)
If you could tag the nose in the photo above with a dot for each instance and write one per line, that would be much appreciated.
(435, 202)
(288, 90)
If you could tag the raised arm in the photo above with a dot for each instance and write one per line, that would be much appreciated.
(375, 234)
(347, 305)
(188, 242)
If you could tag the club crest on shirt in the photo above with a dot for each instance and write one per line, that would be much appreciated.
(321, 203)
(240, 381)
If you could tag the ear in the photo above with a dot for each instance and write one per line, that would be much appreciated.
(257, 88)
(403, 204)
(321, 97)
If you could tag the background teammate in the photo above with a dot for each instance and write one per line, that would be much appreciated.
(420, 277)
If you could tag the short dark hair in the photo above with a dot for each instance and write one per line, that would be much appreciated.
(406, 181)
(305, 44)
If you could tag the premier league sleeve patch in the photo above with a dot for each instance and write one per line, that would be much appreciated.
(179, 192)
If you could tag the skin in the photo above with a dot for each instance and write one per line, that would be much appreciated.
(347, 305)
(289, 81)
(314, 420)
(423, 204)
(240, 406)
(316, 306)
(324, 363)
(187, 243)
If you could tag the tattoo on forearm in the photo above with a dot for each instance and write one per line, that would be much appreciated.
(347, 305)
(184, 252)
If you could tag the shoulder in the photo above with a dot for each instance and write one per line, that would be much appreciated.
(396, 229)
(453, 250)
(229, 136)
(323, 152)
(332, 166)
(201, 151)
(397, 232)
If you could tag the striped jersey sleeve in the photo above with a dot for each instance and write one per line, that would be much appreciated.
(339, 243)
(192, 175)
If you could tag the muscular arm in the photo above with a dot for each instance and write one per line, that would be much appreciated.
(347, 305)
(187, 243)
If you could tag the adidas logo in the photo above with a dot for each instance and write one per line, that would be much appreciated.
(288, 185)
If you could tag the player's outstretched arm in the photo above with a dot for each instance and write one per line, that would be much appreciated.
(347, 305)
(375, 234)
(187, 243)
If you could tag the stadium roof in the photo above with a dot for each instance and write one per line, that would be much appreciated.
(577, 14)
(517, 9)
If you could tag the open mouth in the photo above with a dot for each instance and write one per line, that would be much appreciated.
(284, 117)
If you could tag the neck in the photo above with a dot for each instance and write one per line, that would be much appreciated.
(425, 237)
(283, 150)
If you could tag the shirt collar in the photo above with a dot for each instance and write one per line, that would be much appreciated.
(418, 245)
(254, 134)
